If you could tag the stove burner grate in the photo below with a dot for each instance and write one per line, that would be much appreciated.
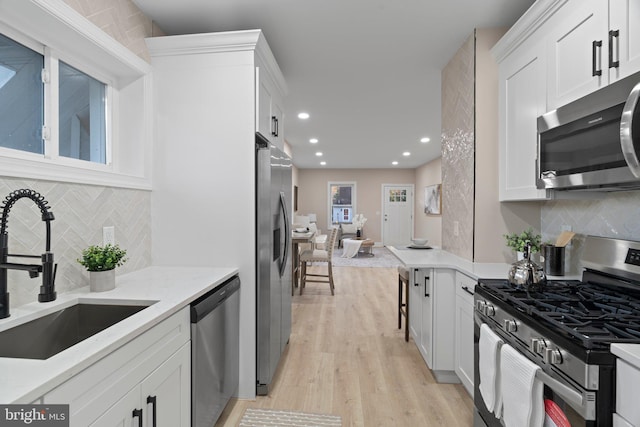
(593, 314)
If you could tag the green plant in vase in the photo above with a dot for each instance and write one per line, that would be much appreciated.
(101, 262)
(518, 242)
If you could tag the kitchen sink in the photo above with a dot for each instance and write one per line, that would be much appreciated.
(48, 335)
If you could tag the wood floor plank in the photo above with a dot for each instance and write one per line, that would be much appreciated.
(347, 357)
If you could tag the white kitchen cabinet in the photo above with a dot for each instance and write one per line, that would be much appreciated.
(464, 330)
(432, 320)
(591, 44)
(269, 112)
(415, 315)
(627, 380)
(165, 391)
(624, 17)
(578, 47)
(522, 98)
(157, 363)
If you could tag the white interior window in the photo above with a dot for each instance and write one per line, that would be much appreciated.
(21, 97)
(81, 116)
(75, 105)
(342, 202)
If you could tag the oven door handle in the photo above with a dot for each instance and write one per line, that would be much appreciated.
(564, 391)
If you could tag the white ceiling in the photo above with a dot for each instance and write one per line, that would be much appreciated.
(367, 71)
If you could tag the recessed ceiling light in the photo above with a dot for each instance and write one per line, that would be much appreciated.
(394, 163)
(406, 154)
(303, 116)
(313, 140)
(323, 163)
(319, 153)
(425, 140)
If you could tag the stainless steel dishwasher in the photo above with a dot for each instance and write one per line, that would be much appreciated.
(215, 340)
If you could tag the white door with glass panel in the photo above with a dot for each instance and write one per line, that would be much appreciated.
(397, 214)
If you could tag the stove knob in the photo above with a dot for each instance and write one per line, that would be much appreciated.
(510, 325)
(537, 345)
(552, 356)
(480, 305)
(489, 310)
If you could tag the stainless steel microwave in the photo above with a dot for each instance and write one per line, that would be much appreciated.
(592, 143)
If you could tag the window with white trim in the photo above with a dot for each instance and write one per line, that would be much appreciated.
(342, 202)
(75, 105)
(81, 100)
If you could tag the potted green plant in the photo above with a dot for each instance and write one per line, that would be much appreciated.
(101, 262)
(518, 242)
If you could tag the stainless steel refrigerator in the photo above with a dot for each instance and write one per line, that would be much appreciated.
(273, 259)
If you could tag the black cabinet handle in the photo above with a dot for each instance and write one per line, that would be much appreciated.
(466, 289)
(152, 400)
(426, 278)
(594, 53)
(274, 126)
(138, 413)
(613, 34)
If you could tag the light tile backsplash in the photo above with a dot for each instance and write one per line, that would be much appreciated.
(80, 213)
(614, 215)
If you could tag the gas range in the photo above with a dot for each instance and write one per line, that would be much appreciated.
(567, 328)
(589, 312)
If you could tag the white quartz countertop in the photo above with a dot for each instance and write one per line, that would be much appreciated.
(438, 258)
(628, 352)
(168, 288)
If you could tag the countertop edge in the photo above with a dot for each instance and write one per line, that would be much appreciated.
(152, 284)
(630, 353)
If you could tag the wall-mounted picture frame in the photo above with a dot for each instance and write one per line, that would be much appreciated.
(433, 199)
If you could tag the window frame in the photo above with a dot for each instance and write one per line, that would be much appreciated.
(59, 33)
(353, 186)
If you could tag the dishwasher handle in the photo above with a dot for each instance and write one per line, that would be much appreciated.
(204, 305)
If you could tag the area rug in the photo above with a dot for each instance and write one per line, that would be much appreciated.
(382, 257)
(266, 417)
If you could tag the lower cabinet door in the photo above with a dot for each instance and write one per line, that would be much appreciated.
(464, 343)
(121, 414)
(166, 392)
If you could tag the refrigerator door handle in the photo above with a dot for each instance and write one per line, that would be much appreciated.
(287, 232)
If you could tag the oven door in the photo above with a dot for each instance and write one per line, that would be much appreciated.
(566, 401)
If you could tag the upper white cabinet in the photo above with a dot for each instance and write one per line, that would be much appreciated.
(578, 51)
(592, 44)
(624, 33)
(269, 113)
(522, 98)
(557, 52)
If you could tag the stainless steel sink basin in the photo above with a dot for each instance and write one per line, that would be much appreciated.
(49, 335)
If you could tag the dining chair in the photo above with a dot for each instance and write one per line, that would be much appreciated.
(319, 256)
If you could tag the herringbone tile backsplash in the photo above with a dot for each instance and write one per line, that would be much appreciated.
(80, 213)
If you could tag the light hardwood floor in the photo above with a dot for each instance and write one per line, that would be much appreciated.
(347, 357)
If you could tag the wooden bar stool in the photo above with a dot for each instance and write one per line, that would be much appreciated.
(403, 307)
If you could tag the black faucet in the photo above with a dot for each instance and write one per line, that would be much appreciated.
(46, 267)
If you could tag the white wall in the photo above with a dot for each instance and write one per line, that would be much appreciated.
(427, 226)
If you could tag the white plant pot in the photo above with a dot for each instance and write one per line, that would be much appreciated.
(100, 281)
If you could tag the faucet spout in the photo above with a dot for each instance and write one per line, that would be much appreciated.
(46, 266)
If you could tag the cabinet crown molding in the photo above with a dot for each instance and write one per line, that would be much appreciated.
(227, 41)
(528, 23)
